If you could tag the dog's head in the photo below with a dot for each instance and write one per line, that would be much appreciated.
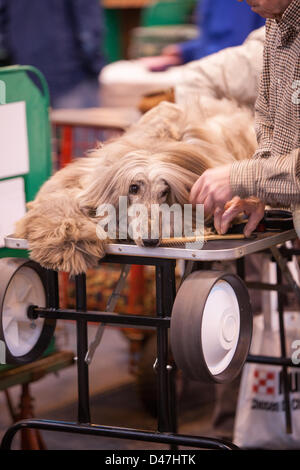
(148, 181)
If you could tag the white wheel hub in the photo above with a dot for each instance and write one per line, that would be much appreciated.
(220, 327)
(20, 333)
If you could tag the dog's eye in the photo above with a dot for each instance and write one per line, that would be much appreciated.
(134, 189)
(164, 193)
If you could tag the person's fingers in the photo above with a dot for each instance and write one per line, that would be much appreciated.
(209, 205)
(218, 218)
(253, 220)
(196, 189)
(199, 191)
(235, 200)
(229, 215)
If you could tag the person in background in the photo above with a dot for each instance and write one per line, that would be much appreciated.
(232, 73)
(272, 176)
(62, 38)
(221, 24)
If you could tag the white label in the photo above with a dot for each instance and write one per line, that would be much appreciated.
(12, 205)
(14, 159)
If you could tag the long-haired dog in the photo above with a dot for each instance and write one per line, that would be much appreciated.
(156, 161)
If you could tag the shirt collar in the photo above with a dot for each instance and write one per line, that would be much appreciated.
(290, 21)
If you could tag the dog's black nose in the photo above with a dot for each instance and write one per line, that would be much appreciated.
(151, 242)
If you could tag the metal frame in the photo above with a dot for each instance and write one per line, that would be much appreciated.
(165, 295)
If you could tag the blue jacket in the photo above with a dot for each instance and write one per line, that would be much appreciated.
(62, 38)
(222, 23)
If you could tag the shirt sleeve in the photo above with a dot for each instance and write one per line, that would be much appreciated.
(264, 125)
(274, 180)
(233, 73)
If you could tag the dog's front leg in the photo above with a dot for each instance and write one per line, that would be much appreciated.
(60, 235)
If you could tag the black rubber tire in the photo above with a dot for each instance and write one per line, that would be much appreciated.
(186, 325)
(8, 268)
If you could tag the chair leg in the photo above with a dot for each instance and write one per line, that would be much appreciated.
(31, 439)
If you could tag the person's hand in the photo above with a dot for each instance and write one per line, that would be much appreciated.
(252, 207)
(170, 56)
(212, 189)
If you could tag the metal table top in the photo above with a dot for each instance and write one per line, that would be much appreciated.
(218, 250)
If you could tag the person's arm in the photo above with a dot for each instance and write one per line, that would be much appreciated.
(275, 180)
(232, 73)
(88, 27)
(263, 173)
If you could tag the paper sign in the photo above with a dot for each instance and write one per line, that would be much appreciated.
(12, 205)
(14, 158)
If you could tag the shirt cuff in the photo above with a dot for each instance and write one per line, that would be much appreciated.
(274, 180)
(243, 177)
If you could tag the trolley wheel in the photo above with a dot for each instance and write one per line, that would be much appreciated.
(211, 326)
(22, 283)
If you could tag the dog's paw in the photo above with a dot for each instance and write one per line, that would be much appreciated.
(71, 257)
(59, 240)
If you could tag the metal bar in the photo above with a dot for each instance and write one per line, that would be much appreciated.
(103, 317)
(82, 347)
(281, 262)
(289, 251)
(111, 304)
(162, 357)
(268, 286)
(288, 416)
(109, 431)
(240, 268)
(133, 259)
(169, 293)
(52, 293)
(271, 360)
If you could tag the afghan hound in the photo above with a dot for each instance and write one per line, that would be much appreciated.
(156, 161)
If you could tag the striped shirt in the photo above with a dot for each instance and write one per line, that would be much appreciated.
(273, 174)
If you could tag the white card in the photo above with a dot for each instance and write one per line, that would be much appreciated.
(14, 158)
(12, 205)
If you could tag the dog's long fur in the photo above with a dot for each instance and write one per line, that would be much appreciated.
(164, 153)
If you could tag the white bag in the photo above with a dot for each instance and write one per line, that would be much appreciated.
(260, 418)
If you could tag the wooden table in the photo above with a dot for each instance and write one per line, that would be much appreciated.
(101, 118)
(24, 376)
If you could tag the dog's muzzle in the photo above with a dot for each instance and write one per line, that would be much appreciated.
(151, 242)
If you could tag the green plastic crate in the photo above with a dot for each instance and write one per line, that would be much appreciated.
(167, 12)
(26, 83)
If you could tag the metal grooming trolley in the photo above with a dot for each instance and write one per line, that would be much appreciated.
(208, 304)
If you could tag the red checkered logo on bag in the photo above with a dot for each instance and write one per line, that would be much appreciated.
(264, 382)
